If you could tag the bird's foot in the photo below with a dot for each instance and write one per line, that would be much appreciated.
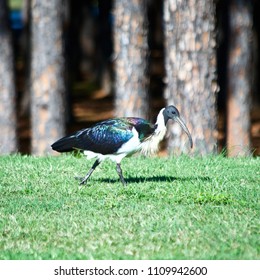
(82, 180)
(123, 181)
(79, 178)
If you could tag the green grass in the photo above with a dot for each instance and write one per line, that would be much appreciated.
(172, 208)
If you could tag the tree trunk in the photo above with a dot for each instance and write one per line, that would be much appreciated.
(8, 143)
(191, 72)
(47, 75)
(130, 51)
(239, 77)
(24, 106)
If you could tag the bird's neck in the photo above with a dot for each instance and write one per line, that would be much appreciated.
(160, 129)
(160, 123)
(151, 144)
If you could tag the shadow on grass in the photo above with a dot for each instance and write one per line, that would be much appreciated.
(164, 178)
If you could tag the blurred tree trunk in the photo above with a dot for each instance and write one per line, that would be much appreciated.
(24, 108)
(105, 50)
(8, 143)
(239, 77)
(47, 75)
(131, 58)
(191, 72)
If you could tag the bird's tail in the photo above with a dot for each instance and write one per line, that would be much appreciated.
(65, 144)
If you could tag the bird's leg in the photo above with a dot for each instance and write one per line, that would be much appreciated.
(96, 163)
(119, 172)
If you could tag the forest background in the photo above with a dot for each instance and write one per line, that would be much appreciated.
(67, 64)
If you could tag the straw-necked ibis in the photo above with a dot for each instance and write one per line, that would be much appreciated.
(120, 137)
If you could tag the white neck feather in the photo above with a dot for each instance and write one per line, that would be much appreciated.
(151, 144)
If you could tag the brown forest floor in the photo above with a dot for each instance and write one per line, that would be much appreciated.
(88, 110)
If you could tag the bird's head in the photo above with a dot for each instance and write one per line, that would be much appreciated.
(171, 112)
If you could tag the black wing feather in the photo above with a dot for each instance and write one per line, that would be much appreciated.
(105, 138)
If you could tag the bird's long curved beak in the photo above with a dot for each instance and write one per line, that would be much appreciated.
(184, 127)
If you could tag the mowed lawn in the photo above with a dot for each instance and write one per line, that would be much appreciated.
(172, 208)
